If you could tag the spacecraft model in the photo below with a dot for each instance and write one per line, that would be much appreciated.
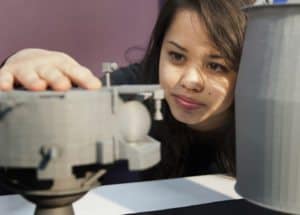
(53, 145)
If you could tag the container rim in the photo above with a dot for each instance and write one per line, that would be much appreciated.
(258, 7)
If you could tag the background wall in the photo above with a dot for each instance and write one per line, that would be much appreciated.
(91, 31)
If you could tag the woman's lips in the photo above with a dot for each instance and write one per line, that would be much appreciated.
(188, 103)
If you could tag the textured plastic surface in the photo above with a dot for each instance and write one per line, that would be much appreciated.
(71, 122)
(267, 109)
(53, 131)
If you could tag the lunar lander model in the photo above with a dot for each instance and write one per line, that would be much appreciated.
(53, 145)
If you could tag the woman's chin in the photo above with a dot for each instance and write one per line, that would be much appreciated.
(190, 120)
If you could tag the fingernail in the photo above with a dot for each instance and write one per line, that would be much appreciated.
(94, 83)
(37, 85)
(62, 85)
(5, 86)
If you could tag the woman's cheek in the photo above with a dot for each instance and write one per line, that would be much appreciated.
(221, 94)
(169, 77)
(164, 80)
(163, 76)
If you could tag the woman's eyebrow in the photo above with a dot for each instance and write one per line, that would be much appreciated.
(178, 46)
(215, 56)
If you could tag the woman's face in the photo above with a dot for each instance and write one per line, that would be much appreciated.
(198, 84)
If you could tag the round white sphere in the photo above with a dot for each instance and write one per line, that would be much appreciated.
(133, 120)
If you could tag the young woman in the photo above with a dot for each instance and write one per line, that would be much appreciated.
(194, 54)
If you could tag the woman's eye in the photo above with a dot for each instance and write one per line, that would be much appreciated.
(216, 67)
(176, 58)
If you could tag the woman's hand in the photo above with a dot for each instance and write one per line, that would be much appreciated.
(37, 69)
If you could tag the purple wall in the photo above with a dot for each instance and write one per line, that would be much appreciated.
(91, 31)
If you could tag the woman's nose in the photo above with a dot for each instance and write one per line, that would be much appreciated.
(193, 80)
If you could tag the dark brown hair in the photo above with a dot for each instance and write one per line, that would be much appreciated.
(225, 23)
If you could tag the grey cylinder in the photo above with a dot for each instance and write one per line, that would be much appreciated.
(268, 109)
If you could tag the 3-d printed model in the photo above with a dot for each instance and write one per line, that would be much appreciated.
(268, 109)
(49, 140)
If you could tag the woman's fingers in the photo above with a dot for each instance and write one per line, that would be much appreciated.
(55, 78)
(25, 76)
(6, 80)
(29, 79)
(81, 76)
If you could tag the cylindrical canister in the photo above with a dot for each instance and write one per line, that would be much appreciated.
(268, 108)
